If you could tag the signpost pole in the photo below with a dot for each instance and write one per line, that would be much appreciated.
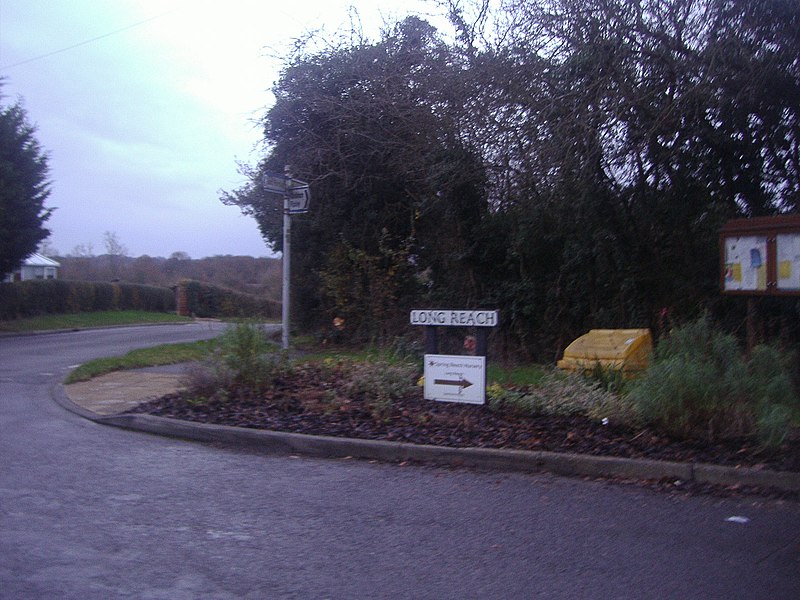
(296, 197)
(431, 340)
(287, 225)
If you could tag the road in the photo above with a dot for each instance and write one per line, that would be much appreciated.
(89, 511)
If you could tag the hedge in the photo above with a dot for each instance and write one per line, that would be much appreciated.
(204, 300)
(57, 296)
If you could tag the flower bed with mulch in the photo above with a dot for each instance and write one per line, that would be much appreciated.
(316, 401)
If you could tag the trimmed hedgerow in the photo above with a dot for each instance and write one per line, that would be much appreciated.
(204, 300)
(57, 296)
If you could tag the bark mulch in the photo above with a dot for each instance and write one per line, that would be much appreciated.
(306, 403)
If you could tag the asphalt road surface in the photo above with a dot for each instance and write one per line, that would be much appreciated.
(89, 511)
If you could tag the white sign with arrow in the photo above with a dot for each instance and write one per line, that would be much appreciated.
(296, 193)
(455, 378)
(298, 199)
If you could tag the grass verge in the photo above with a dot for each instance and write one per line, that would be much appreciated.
(515, 375)
(90, 319)
(166, 354)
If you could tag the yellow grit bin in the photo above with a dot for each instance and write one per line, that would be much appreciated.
(628, 350)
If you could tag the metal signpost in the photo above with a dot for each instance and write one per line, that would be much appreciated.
(455, 378)
(296, 197)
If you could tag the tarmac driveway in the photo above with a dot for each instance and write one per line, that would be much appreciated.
(88, 511)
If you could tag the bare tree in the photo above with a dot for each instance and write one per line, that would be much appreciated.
(82, 251)
(112, 244)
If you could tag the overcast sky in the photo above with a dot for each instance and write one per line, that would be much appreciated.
(145, 106)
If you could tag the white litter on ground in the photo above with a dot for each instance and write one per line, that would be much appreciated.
(737, 519)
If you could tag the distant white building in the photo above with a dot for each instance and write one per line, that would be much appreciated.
(35, 266)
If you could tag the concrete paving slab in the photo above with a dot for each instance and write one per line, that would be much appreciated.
(117, 392)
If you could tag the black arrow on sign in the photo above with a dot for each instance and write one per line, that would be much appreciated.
(462, 383)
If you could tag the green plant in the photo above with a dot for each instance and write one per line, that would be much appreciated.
(499, 397)
(771, 387)
(407, 347)
(701, 385)
(241, 346)
(244, 361)
(246, 357)
(379, 384)
(609, 378)
(563, 394)
(205, 380)
(772, 424)
(363, 288)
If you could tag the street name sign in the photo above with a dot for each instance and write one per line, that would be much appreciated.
(274, 182)
(455, 318)
(455, 378)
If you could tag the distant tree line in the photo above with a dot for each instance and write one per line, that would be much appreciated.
(257, 276)
(567, 162)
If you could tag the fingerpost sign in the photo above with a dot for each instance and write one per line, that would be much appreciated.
(296, 197)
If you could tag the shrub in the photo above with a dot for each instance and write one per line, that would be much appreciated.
(701, 385)
(244, 361)
(242, 346)
(379, 384)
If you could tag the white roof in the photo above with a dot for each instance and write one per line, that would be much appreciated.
(37, 260)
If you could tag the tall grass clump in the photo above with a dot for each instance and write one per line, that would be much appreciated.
(557, 393)
(701, 385)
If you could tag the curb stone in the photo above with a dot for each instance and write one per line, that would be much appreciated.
(279, 442)
(319, 446)
(729, 476)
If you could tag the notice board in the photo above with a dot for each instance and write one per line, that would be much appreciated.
(787, 247)
(761, 256)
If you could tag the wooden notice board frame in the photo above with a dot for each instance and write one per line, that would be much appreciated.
(760, 256)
